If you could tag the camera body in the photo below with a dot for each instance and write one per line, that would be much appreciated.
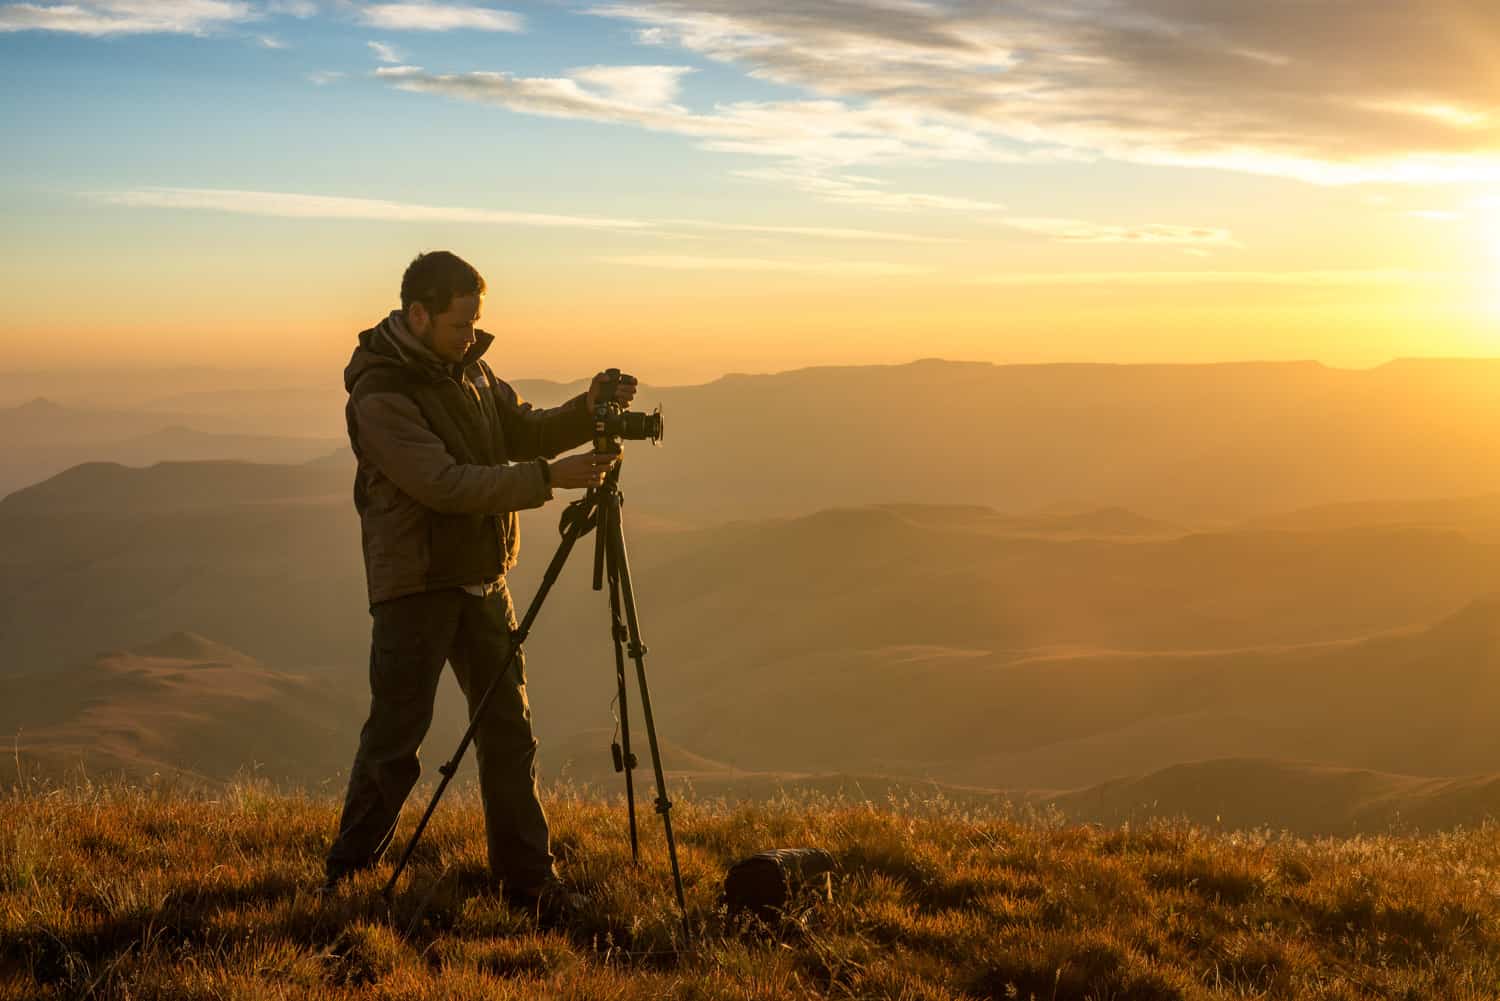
(613, 424)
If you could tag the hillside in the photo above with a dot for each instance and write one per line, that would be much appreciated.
(1312, 799)
(1420, 702)
(117, 893)
(183, 707)
(148, 551)
(1121, 744)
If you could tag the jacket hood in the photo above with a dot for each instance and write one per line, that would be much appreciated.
(390, 342)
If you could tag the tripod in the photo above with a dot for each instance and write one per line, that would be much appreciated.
(599, 508)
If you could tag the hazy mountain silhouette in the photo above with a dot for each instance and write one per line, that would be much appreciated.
(1181, 443)
(107, 489)
(41, 438)
(1178, 442)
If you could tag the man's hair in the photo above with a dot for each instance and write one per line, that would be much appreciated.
(435, 278)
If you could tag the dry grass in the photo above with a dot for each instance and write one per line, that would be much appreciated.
(121, 892)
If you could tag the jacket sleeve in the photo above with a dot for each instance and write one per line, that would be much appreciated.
(394, 437)
(531, 433)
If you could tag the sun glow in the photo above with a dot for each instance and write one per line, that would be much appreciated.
(1492, 270)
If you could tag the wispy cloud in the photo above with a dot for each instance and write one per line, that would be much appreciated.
(1335, 92)
(1080, 231)
(290, 205)
(867, 192)
(125, 17)
(270, 42)
(385, 53)
(803, 266)
(303, 9)
(300, 206)
(322, 77)
(821, 232)
(438, 17)
(1370, 276)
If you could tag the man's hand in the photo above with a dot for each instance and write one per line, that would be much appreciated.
(624, 390)
(586, 469)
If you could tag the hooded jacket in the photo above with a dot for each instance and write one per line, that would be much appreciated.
(446, 459)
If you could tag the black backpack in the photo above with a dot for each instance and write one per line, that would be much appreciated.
(765, 884)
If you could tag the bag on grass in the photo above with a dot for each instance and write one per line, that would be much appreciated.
(766, 883)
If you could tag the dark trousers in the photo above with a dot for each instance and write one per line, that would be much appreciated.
(413, 636)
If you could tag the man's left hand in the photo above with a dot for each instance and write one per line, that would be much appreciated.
(624, 389)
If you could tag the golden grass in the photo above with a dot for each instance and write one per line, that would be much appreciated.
(114, 891)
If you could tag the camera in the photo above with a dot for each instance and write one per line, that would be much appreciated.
(613, 424)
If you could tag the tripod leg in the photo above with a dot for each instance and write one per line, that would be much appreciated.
(616, 542)
(626, 761)
(576, 529)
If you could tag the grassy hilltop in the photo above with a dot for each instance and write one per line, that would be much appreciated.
(116, 892)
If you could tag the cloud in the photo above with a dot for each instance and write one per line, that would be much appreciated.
(1079, 231)
(385, 53)
(1369, 276)
(867, 192)
(291, 205)
(803, 266)
(270, 42)
(299, 206)
(125, 17)
(639, 86)
(821, 232)
(814, 133)
(438, 17)
(814, 137)
(303, 9)
(1338, 91)
(321, 77)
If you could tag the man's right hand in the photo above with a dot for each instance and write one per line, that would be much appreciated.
(576, 472)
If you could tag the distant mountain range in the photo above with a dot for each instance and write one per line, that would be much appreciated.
(41, 438)
(1194, 444)
(1040, 654)
(1089, 587)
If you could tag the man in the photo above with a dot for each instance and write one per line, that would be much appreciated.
(447, 455)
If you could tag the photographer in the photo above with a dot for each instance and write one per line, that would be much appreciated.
(447, 455)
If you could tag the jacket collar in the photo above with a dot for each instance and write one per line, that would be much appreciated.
(411, 351)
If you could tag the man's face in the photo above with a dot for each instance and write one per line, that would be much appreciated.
(450, 333)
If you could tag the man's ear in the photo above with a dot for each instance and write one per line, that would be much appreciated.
(417, 318)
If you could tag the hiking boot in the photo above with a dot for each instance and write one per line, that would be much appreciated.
(335, 876)
(551, 902)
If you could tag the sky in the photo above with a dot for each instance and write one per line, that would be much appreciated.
(688, 189)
